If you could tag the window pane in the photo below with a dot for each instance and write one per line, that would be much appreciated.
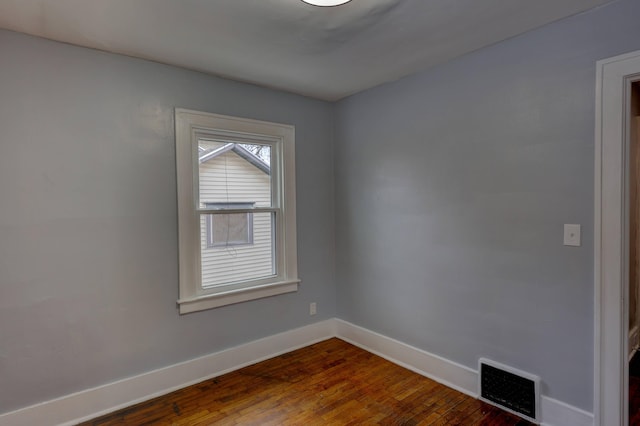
(234, 173)
(228, 263)
(229, 229)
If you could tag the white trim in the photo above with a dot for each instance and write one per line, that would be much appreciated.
(558, 413)
(449, 373)
(613, 83)
(215, 300)
(85, 405)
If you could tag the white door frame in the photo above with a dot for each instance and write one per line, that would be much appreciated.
(613, 96)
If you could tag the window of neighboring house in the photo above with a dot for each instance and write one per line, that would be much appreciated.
(231, 250)
(225, 230)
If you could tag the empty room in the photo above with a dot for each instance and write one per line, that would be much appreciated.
(403, 212)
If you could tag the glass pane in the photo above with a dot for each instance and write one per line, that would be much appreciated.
(232, 173)
(229, 229)
(249, 257)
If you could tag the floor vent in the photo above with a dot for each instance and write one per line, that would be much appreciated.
(510, 389)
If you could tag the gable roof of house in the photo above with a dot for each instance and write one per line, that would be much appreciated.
(208, 154)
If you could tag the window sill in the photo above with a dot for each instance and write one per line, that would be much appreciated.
(224, 298)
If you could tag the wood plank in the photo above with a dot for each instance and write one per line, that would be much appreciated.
(329, 383)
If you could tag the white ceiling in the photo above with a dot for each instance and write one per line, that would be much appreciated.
(326, 53)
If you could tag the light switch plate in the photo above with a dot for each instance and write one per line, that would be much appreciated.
(572, 235)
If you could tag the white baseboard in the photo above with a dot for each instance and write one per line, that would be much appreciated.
(91, 403)
(558, 413)
(449, 373)
(456, 376)
(74, 408)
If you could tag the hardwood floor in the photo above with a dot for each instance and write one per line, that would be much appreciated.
(329, 383)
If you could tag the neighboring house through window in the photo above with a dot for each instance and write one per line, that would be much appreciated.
(236, 209)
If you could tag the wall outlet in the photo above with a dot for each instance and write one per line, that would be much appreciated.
(312, 308)
(572, 235)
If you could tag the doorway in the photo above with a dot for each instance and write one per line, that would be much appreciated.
(634, 255)
(614, 89)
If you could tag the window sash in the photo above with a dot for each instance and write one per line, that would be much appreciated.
(236, 210)
(277, 199)
(248, 283)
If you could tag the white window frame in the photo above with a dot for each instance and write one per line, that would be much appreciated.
(190, 126)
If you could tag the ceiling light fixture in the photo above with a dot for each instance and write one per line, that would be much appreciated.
(326, 3)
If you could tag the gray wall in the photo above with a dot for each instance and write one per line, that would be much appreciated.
(452, 188)
(88, 237)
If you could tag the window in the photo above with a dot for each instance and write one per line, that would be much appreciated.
(234, 229)
(236, 209)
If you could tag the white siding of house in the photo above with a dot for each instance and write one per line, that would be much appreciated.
(230, 178)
